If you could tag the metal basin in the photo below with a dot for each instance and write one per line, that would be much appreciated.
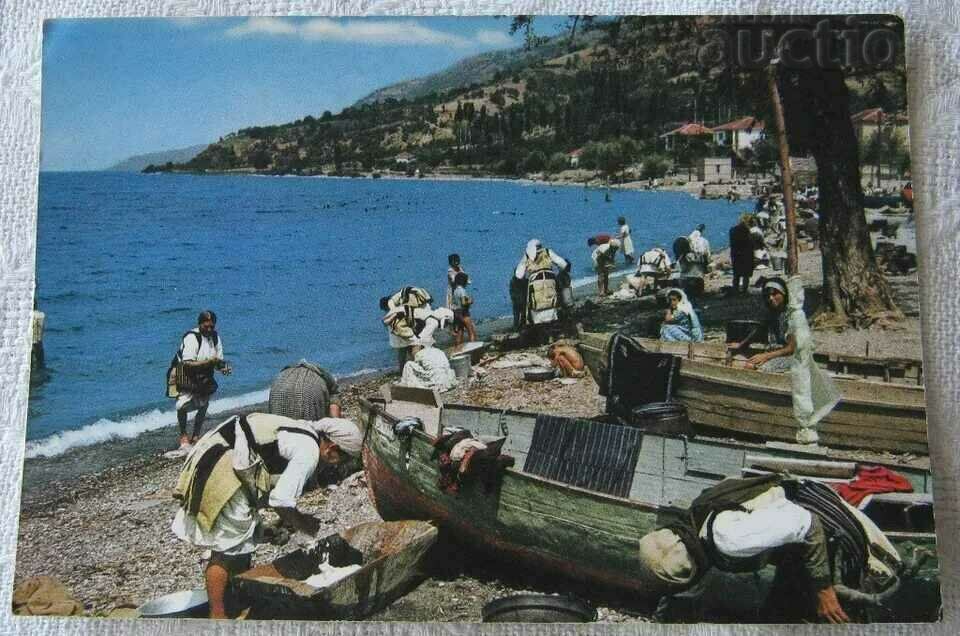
(538, 608)
(539, 374)
(183, 604)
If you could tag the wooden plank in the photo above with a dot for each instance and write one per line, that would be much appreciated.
(828, 437)
(408, 401)
(901, 396)
(715, 411)
(780, 411)
(813, 468)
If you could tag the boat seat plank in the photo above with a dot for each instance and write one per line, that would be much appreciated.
(781, 407)
(700, 412)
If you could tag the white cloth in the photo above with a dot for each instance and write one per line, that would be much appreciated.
(433, 320)
(699, 244)
(626, 239)
(814, 393)
(301, 454)
(342, 432)
(654, 261)
(232, 532)
(460, 448)
(420, 313)
(740, 534)
(194, 350)
(429, 369)
(684, 304)
(556, 259)
(602, 251)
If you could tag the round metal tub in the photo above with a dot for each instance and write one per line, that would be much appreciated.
(184, 604)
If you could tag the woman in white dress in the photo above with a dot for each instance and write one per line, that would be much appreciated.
(625, 240)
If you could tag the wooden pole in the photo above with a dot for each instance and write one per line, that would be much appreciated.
(786, 174)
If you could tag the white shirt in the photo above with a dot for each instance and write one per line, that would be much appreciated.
(772, 522)
(201, 349)
(301, 453)
(234, 528)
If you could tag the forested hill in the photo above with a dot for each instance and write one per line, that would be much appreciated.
(611, 92)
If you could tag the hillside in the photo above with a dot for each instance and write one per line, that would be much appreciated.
(137, 163)
(479, 69)
(611, 94)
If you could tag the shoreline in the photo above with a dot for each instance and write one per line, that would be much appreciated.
(716, 190)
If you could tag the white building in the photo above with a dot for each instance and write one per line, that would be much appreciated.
(739, 134)
(714, 169)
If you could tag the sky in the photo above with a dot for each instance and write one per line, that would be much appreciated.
(113, 88)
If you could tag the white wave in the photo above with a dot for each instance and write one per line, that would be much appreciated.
(129, 427)
(104, 430)
(364, 371)
(590, 280)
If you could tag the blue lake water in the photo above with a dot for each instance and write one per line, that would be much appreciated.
(293, 267)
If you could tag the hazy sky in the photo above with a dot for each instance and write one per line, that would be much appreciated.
(119, 87)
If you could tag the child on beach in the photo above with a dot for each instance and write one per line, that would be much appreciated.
(461, 311)
(453, 260)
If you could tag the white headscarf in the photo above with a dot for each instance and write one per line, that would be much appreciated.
(533, 245)
(342, 432)
(685, 306)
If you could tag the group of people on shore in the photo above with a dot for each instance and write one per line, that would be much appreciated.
(266, 459)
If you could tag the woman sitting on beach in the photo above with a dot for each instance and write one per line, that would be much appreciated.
(680, 322)
(781, 339)
(791, 350)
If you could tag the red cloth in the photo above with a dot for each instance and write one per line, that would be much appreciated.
(872, 480)
(602, 238)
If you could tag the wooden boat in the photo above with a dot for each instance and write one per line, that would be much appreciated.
(883, 405)
(550, 526)
(392, 554)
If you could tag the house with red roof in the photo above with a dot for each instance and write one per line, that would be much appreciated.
(692, 129)
(573, 157)
(739, 134)
(867, 122)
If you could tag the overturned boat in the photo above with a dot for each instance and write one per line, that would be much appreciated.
(883, 406)
(581, 493)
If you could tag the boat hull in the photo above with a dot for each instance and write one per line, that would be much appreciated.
(533, 524)
(871, 415)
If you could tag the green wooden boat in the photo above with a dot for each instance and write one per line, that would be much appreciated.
(546, 526)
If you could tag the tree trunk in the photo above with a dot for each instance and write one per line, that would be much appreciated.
(854, 289)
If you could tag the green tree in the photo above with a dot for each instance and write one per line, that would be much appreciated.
(536, 161)
(558, 162)
(654, 167)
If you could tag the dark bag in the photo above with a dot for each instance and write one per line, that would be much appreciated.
(184, 379)
(631, 376)
(729, 494)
